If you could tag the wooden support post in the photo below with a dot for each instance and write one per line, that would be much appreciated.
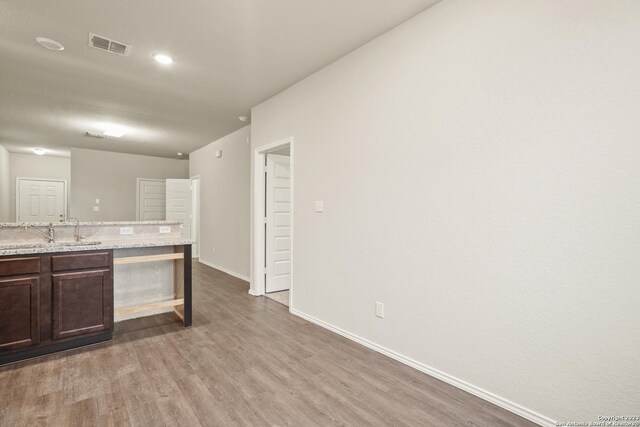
(182, 283)
(187, 285)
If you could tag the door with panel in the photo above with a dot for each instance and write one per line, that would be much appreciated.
(278, 223)
(40, 200)
(151, 199)
(179, 204)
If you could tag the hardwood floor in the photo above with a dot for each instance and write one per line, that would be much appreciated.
(246, 361)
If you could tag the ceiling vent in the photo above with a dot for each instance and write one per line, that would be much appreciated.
(104, 43)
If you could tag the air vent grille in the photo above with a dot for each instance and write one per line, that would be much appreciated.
(118, 48)
(104, 43)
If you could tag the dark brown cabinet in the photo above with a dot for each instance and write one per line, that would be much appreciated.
(20, 313)
(52, 302)
(81, 303)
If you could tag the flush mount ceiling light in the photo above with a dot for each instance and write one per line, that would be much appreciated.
(243, 118)
(115, 131)
(39, 151)
(163, 59)
(49, 43)
(179, 154)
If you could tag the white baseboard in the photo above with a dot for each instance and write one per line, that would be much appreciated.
(456, 382)
(255, 294)
(224, 270)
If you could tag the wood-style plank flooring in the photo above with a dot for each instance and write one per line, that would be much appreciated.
(246, 361)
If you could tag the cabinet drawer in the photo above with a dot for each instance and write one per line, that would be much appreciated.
(80, 261)
(19, 266)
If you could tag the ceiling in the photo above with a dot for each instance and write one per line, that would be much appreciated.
(230, 55)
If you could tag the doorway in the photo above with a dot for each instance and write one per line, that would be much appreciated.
(273, 222)
(41, 200)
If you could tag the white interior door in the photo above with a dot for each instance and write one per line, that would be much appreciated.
(178, 196)
(151, 199)
(278, 222)
(40, 200)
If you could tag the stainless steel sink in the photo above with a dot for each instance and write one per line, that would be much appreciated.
(85, 243)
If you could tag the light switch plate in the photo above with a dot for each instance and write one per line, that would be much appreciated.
(164, 229)
(380, 310)
(124, 231)
(97, 201)
(319, 206)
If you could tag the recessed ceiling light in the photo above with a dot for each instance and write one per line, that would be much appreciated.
(243, 118)
(163, 59)
(39, 151)
(49, 43)
(180, 154)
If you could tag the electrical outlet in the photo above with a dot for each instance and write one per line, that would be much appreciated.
(125, 231)
(319, 206)
(380, 310)
(164, 229)
(96, 208)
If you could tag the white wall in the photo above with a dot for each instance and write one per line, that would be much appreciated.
(479, 170)
(5, 180)
(111, 177)
(32, 166)
(224, 201)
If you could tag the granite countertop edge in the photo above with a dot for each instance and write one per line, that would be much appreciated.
(116, 244)
(87, 223)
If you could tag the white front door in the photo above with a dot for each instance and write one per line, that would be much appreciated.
(151, 199)
(178, 198)
(278, 220)
(40, 200)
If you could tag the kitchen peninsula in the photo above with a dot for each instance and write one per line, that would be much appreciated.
(64, 285)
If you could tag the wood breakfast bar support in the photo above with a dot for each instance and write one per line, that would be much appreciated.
(182, 286)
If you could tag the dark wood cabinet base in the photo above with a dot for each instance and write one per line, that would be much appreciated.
(59, 301)
(54, 302)
(56, 347)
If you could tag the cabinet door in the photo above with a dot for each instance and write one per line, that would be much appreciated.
(19, 313)
(82, 303)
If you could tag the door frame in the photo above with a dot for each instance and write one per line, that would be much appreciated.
(64, 193)
(257, 287)
(198, 209)
(138, 193)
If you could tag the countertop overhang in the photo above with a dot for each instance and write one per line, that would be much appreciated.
(86, 223)
(110, 244)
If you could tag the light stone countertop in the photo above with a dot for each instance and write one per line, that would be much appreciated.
(90, 223)
(42, 248)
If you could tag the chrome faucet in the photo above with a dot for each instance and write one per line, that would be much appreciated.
(76, 234)
(49, 234)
